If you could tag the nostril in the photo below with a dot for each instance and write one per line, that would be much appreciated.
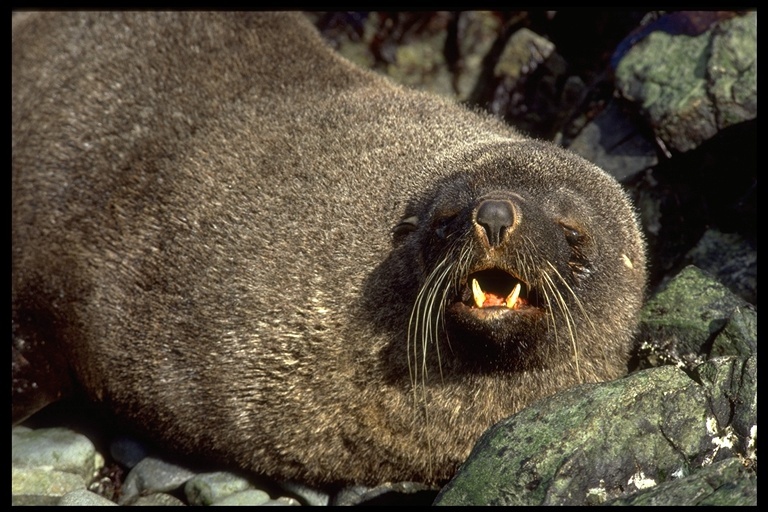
(495, 216)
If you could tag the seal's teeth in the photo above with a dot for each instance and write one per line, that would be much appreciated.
(477, 294)
(512, 297)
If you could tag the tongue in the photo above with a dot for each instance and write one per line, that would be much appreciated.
(491, 299)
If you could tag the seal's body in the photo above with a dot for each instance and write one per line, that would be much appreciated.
(202, 240)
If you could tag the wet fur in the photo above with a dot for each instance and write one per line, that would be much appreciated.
(202, 240)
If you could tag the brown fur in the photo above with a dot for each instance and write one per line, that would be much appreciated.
(202, 214)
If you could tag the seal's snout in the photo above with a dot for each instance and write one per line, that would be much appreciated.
(496, 217)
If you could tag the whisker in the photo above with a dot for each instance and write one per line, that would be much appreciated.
(569, 321)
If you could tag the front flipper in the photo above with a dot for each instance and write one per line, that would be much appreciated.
(40, 376)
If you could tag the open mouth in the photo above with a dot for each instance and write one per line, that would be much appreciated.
(496, 288)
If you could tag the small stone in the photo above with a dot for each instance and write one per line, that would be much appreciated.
(249, 497)
(43, 485)
(153, 475)
(158, 499)
(524, 51)
(83, 497)
(128, 451)
(310, 495)
(208, 488)
(54, 448)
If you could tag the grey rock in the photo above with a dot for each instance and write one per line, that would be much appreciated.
(157, 500)
(614, 142)
(48, 463)
(208, 488)
(522, 54)
(731, 384)
(128, 451)
(283, 501)
(723, 483)
(732, 70)
(42, 486)
(730, 258)
(603, 442)
(389, 44)
(153, 475)
(308, 495)
(351, 495)
(739, 336)
(690, 88)
(477, 31)
(420, 63)
(83, 497)
(249, 497)
(531, 72)
(387, 493)
(57, 448)
(680, 322)
(347, 40)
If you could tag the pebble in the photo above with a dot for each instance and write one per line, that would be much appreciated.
(208, 488)
(249, 497)
(42, 486)
(83, 497)
(309, 495)
(51, 466)
(48, 463)
(56, 448)
(128, 451)
(153, 475)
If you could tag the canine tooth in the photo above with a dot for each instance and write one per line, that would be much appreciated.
(477, 294)
(512, 297)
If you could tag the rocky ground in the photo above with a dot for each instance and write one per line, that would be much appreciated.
(664, 101)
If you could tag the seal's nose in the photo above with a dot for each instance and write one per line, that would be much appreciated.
(496, 216)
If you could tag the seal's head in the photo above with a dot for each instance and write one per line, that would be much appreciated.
(528, 259)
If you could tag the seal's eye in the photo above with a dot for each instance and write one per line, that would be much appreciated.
(580, 248)
(573, 235)
(442, 225)
(404, 227)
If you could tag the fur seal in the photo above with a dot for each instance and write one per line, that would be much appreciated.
(203, 212)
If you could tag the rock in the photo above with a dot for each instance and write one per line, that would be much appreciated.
(613, 441)
(724, 483)
(128, 451)
(420, 63)
(408, 47)
(531, 87)
(42, 486)
(477, 31)
(730, 258)
(58, 449)
(522, 54)
(283, 501)
(614, 142)
(739, 336)
(208, 488)
(309, 495)
(153, 475)
(396, 493)
(82, 497)
(249, 497)
(49, 463)
(158, 499)
(679, 324)
(691, 87)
